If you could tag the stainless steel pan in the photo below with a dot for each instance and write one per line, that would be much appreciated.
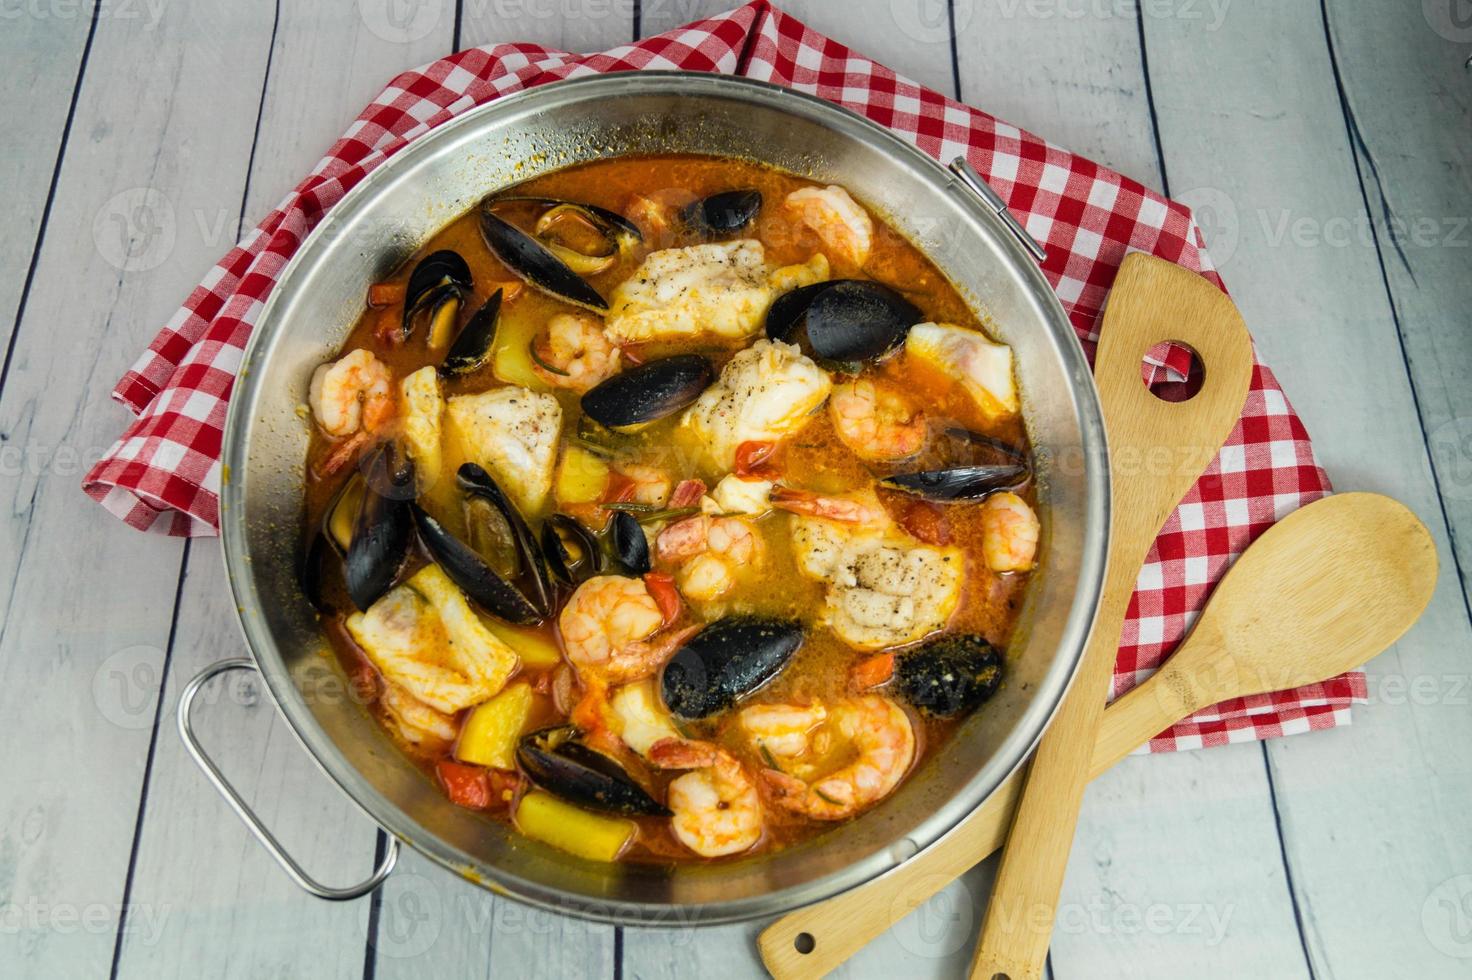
(400, 205)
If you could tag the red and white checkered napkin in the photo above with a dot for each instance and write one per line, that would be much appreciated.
(164, 473)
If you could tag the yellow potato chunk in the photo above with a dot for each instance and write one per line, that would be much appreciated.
(489, 735)
(594, 836)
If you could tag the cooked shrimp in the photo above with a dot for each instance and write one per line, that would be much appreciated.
(608, 628)
(355, 391)
(784, 731)
(646, 484)
(717, 810)
(416, 721)
(711, 551)
(1009, 533)
(876, 420)
(573, 352)
(844, 226)
(861, 507)
(882, 739)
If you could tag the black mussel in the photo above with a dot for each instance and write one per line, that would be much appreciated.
(472, 347)
(630, 546)
(317, 565)
(843, 321)
(723, 213)
(785, 315)
(476, 483)
(974, 447)
(725, 662)
(342, 511)
(961, 482)
(438, 284)
(651, 391)
(475, 578)
(382, 528)
(858, 321)
(589, 239)
(949, 676)
(581, 775)
(532, 261)
(572, 552)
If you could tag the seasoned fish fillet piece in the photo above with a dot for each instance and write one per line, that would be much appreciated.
(765, 392)
(983, 368)
(416, 721)
(424, 637)
(719, 288)
(884, 588)
(422, 408)
(512, 432)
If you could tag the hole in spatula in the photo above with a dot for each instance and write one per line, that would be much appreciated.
(804, 943)
(1172, 371)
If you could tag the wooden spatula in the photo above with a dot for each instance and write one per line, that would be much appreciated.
(1157, 450)
(1319, 593)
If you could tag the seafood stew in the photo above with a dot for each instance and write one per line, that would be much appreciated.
(670, 508)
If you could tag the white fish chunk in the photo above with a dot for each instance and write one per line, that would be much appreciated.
(765, 393)
(719, 288)
(424, 637)
(422, 408)
(513, 433)
(983, 367)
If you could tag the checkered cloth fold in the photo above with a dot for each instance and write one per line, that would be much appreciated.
(163, 475)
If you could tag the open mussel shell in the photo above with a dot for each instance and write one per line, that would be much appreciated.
(977, 447)
(533, 262)
(478, 485)
(583, 776)
(651, 391)
(949, 676)
(960, 482)
(467, 569)
(842, 320)
(630, 546)
(382, 529)
(723, 213)
(623, 231)
(572, 551)
(438, 284)
(472, 348)
(725, 662)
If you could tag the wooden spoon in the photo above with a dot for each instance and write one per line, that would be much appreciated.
(1157, 450)
(1319, 593)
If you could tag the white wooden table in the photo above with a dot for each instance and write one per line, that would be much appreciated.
(1326, 147)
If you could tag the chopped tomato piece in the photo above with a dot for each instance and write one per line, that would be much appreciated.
(382, 294)
(873, 671)
(388, 327)
(925, 521)
(687, 493)
(662, 589)
(752, 457)
(467, 786)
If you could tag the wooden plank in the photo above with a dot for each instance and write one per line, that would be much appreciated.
(1079, 81)
(161, 142)
(1373, 815)
(44, 56)
(1395, 77)
(567, 25)
(221, 917)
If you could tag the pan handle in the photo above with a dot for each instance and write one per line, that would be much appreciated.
(997, 206)
(245, 813)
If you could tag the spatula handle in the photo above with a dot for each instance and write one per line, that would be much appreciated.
(1157, 451)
